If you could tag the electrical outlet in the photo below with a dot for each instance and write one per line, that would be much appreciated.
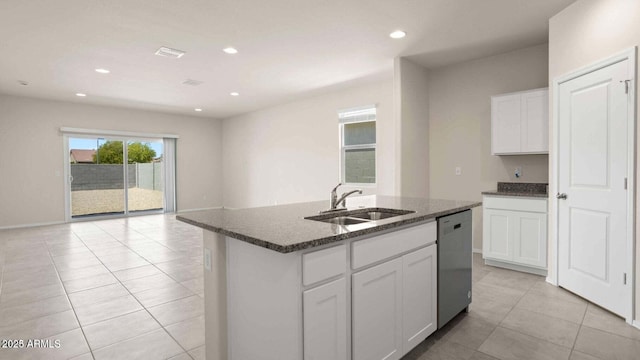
(207, 259)
(458, 170)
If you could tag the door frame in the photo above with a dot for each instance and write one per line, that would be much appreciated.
(628, 54)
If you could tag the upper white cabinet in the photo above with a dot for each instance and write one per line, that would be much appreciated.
(520, 123)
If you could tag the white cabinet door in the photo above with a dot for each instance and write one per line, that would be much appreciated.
(325, 322)
(497, 234)
(520, 123)
(505, 124)
(535, 122)
(530, 238)
(419, 300)
(377, 312)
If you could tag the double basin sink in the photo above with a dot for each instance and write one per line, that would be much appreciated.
(359, 216)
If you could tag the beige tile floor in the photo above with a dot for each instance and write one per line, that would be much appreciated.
(133, 289)
(517, 316)
(112, 289)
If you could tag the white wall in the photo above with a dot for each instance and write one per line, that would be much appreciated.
(586, 32)
(460, 126)
(32, 155)
(411, 92)
(290, 153)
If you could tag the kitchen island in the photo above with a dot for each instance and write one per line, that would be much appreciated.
(281, 286)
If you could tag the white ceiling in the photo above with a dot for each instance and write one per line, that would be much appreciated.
(288, 49)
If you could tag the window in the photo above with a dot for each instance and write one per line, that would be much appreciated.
(358, 145)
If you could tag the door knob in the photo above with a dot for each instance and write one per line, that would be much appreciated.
(562, 196)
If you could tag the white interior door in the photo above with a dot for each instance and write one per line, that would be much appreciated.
(592, 171)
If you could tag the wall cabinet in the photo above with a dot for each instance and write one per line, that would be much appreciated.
(520, 123)
(515, 233)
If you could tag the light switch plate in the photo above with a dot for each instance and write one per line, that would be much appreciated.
(458, 170)
(207, 259)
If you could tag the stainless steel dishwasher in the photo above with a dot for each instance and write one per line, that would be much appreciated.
(454, 265)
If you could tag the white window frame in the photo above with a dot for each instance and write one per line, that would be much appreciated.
(351, 116)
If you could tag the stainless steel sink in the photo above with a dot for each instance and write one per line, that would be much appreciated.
(375, 215)
(344, 220)
(351, 217)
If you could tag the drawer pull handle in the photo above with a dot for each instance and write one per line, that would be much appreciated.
(457, 226)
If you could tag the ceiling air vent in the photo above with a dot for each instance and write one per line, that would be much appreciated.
(169, 52)
(191, 82)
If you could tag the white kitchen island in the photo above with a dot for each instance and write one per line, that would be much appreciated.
(284, 287)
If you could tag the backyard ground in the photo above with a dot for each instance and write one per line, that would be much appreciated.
(88, 202)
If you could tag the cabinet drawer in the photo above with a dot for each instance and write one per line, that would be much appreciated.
(369, 251)
(515, 203)
(324, 264)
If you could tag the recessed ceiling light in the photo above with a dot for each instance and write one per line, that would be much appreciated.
(169, 52)
(198, 110)
(398, 34)
(81, 94)
(102, 71)
(234, 94)
(230, 50)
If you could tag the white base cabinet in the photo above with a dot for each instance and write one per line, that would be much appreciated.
(367, 298)
(419, 296)
(377, 312)
(325, 321)
(395, 305)
(515, 232)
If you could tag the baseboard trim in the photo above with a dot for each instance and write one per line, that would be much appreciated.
(201, 209)
(477, 251)
(22, 226)
(515, 267)
(635, 324)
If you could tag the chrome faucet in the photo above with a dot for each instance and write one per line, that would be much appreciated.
(343, 198)
(335, 202)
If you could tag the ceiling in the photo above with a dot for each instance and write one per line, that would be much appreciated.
(288, 49)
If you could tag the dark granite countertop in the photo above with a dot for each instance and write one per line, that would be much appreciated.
(283, 228)
(520, 189)
(511, 193)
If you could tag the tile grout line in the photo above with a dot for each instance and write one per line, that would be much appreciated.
(67, 294)
(529, 291)
(129, 291)
(55, 266)
(575, 341)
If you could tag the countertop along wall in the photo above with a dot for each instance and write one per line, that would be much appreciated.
(32, 155)
(460, 126)
(586, 32)
(290, 153)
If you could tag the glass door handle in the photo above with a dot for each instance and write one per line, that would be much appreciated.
(562, 196)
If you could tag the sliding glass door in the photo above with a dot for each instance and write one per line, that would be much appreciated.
(114, 176)
(145, 175)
